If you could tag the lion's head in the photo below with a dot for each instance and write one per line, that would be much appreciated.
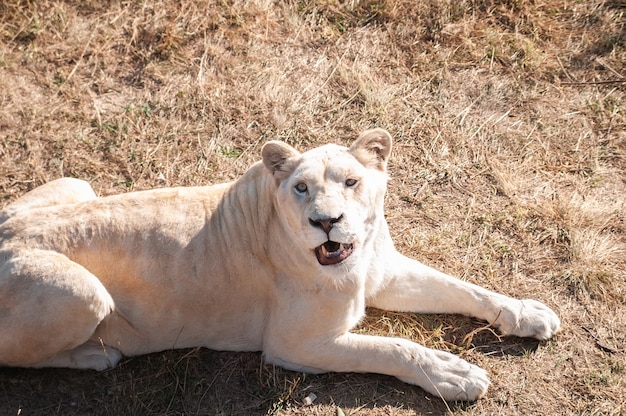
(330, 198)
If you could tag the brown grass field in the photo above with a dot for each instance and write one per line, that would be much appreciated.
(509, 171)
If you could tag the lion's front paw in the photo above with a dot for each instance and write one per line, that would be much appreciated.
(452, 378)
(529, 318)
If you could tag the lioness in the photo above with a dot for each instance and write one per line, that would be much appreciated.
(283, 260)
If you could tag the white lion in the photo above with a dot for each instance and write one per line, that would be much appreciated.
(283, 260)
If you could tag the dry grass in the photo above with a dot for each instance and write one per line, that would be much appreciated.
(508, 171)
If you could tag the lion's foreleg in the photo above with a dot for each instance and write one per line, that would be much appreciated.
(410, 286)
(440, 373)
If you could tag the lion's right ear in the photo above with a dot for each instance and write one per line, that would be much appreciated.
(276, 156)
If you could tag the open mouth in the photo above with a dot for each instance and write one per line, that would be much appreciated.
(332, 252)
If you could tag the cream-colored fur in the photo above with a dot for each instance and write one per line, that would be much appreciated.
(244, 266)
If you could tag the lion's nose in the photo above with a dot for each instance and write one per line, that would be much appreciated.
(325, 224)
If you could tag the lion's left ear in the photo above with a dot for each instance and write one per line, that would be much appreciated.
(276, 156)
(372, 148)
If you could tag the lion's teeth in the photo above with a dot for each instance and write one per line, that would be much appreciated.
(324, 251)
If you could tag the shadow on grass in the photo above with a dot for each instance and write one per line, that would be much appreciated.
(204, 382)
(197, 382)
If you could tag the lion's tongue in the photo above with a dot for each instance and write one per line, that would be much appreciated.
(332, 252)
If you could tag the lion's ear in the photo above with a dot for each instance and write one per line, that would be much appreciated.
(276, 156)
(372, 148)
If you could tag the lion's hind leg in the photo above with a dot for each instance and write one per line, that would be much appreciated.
(92, 355)
(58, 192)
(50, 308)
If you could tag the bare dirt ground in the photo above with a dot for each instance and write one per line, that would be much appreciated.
(508, 171)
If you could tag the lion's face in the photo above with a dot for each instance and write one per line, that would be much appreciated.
(330, 197)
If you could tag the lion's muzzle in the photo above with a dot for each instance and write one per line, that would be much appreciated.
(332, 252)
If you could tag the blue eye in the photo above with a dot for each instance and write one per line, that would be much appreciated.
(301, 187)
(351, 182)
